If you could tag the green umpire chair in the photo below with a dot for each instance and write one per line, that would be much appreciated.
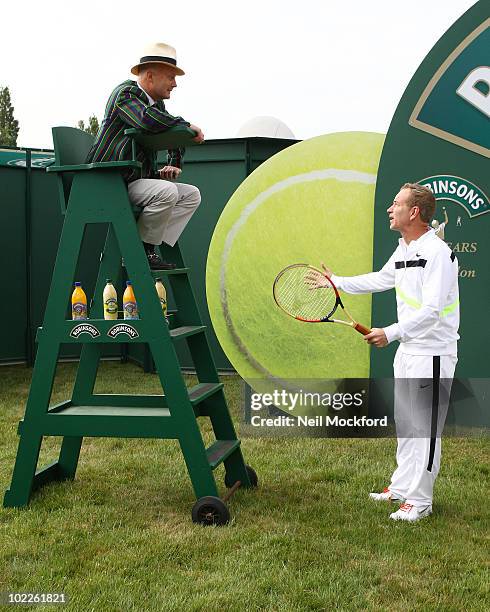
(96, 193)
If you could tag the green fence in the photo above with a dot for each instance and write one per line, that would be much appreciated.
(31, 223)
(17, 170)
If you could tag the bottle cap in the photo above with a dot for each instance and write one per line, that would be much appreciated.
(128, 283)
(77, 284)
(108, 281)
(158, 278)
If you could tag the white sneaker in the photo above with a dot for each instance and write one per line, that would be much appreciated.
(386, 495)
(411, 513)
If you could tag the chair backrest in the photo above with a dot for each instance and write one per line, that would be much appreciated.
(71, 147)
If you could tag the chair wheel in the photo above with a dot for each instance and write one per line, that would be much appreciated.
(210, 511)
(252, 475)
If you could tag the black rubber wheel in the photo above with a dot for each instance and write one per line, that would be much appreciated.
(210, 511)
(252, 475)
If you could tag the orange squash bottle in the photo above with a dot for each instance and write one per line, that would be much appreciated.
(130, 307)
(78, 303)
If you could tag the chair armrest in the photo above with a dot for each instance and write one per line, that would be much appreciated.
(113, 165)
(170, 139)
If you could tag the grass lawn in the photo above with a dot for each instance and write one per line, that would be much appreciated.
(120, 536)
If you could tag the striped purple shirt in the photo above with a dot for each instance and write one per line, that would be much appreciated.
(128, 107)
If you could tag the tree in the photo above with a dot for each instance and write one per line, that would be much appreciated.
(9, 127)
(93, 125)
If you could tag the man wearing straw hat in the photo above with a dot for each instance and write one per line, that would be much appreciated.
(166, 206)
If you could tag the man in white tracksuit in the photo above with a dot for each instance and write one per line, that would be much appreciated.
(424, 273)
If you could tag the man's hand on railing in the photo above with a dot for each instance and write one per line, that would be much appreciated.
(199, 137)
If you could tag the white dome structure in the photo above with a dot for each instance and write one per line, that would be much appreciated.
(265, 127)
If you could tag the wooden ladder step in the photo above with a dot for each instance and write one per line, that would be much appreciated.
(112, 411)
(200, 392)
(175, 271)
(187, 330)
(105, 421)
(221, 450)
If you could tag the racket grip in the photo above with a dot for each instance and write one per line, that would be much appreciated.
(361, 329)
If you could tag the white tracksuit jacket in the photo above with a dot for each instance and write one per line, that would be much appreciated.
(424, 275)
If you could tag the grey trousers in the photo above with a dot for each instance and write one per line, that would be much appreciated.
(166, 208)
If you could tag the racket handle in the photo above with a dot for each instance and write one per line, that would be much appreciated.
(361, 329)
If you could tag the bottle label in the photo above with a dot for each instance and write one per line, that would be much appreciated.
(163, 302)
(110, 306)
(130, 310)
(79, 311)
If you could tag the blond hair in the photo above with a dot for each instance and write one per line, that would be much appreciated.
(422, 197)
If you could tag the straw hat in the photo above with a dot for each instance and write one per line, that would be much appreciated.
(159, 53)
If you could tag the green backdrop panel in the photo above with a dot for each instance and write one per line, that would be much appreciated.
(13, 306)
(30, 208)
(437, 137)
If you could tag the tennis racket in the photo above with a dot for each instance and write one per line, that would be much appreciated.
(307, 294)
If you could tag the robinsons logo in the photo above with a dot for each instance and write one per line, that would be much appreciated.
(123, 328)
(84, 328)
(458, 190)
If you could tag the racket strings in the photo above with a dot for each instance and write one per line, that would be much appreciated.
(294, 293)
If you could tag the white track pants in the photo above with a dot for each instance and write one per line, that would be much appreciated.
(422, 390)
(166, 208)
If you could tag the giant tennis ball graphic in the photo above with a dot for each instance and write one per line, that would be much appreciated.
(311, 202)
